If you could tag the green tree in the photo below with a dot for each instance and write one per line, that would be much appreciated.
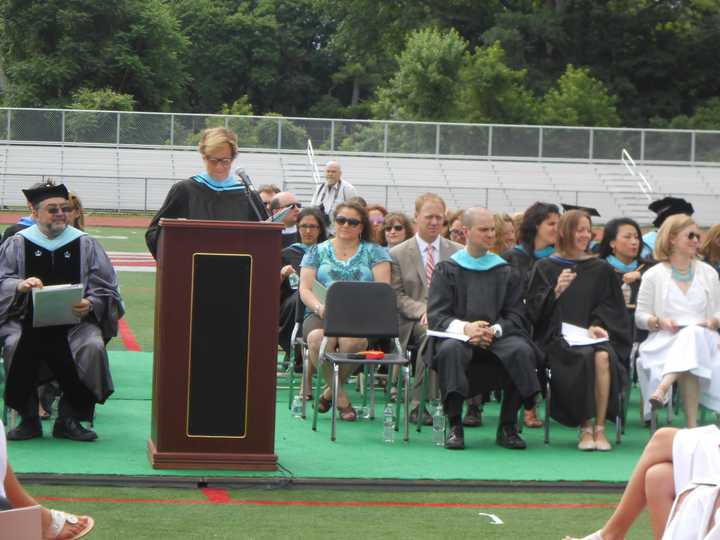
(578, 99)
(102, 100)
(52, 48)
(494, 92)
(426, 82)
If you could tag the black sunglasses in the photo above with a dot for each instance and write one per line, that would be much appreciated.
(396, 228)
(57, 209)
(693, 236)
(295, 205)
(342, 220)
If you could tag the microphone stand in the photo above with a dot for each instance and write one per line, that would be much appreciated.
(253, 197)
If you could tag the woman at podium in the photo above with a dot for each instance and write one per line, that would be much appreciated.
(215, 194)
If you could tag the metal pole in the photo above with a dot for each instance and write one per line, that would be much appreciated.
(540, 143)
(279, 134)
(385, 144)
(172, 130)
(490, 141)
(437, 139)
(642, 145)
(117, 130)
(62, 127)
(8, 125)
(591, 142)
(692, 147)
(332, 135)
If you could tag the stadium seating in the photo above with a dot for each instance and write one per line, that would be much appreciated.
(138, 179)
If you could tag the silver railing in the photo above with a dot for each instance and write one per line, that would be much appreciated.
(370, 137)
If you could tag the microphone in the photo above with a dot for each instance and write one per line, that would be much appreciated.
(256, 202)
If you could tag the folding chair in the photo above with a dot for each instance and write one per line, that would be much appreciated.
(360, 309)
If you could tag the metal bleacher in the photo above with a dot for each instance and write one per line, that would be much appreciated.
(126, 179)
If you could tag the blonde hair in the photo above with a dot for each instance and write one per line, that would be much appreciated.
(567, 228)
(500, 220)
(78, 207)
(670, 228)
(710, 250)
(428, 197)
(212, 139)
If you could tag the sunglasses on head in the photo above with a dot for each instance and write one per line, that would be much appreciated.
(57, 209)
(342, 220)
(396, 228)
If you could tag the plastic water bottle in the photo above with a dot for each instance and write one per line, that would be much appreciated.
(296, 407)
(293, 280)
(438, 432)
(389, 424)
(627, 293)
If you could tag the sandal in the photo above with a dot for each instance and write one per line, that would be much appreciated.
(64, 524)
(602, 445)
(597, 535)
(587, 439)
(324, 404)
(658, 399)
(347, 413)
(531, 420)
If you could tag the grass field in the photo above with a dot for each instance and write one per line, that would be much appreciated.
(192, 513)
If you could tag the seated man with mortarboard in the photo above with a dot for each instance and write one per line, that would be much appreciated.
(51, 252)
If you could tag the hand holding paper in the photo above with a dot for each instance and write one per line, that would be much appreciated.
(577, 336)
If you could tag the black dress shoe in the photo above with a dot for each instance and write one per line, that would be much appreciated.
(426, 418)
(25, 430)
(455, 439)
(473, 418)
(508, 437)
(70, 428)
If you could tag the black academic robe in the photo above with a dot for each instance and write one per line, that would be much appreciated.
(12, 230)
(592, 299)
(521, 262)
(639, 335)
(291, 255)
(495, 296)
(192, 200)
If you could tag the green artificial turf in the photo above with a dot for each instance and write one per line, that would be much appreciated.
(175, 513)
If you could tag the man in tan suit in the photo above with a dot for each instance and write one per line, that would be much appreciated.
(413, 262)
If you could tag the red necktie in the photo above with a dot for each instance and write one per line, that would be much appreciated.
(429, 264)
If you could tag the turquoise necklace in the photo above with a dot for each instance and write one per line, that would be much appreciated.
(682, 277)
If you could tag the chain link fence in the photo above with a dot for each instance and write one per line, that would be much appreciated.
(104, 128)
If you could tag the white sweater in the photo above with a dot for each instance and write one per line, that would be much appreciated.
(654, 289)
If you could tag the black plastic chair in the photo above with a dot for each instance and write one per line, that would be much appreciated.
(360, 309)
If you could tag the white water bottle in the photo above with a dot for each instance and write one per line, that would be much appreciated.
(296, 407)
(627, 293)
(438, 426)
(388, 424)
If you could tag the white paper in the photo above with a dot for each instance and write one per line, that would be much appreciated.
(52, 305)
(320, 291)
(451, 335)
(577, 336)
(687, 321)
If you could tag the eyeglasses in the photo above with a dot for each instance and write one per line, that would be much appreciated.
(294, 206)
(225, 162)
(352, 222)
(456, 232)
(57, 209)
(396, 228)
(693, 236)
(308, 226)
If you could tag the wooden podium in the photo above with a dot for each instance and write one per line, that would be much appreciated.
(214, 368)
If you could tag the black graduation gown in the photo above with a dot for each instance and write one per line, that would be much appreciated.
(12, 230)
(493, 295)
(592, 299)
(192, 200)
(291, 255)
(639, 334)
(520, 261)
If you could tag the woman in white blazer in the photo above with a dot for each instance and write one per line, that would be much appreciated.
(679, 304)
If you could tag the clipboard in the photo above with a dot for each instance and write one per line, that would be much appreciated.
(52, 305)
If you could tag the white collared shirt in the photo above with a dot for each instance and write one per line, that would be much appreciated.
(423, 247)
